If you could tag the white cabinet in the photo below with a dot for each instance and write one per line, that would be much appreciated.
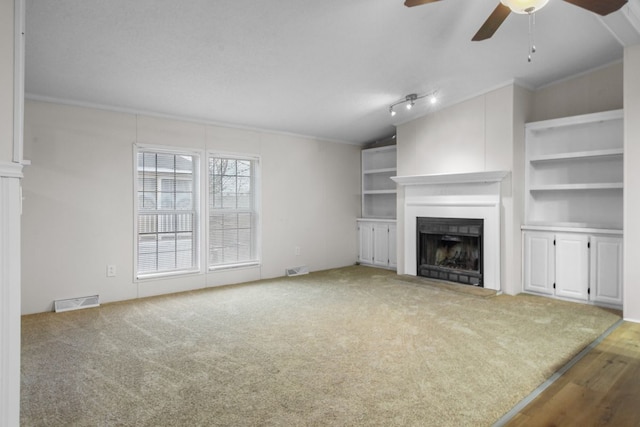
(578, 266)
(380, 244)
(393, 254)
(365, 242)
(572, 265)
(606, 269)
(574, 204)
(378, 189)
(377, 243)
(539, 262)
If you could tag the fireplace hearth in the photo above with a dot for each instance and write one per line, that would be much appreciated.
(450, 249)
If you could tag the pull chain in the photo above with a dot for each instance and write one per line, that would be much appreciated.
(532, 27)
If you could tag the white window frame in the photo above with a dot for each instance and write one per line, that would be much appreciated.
(197, 210)
(257, 210)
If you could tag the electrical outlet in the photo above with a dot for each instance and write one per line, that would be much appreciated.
(111, 271)
(296, 251)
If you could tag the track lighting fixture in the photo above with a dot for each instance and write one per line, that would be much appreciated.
(410, 101)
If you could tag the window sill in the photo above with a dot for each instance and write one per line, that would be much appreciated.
(166, 275)
(234, 266)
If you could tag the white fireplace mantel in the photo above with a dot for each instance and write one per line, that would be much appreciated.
(461, 195)
(451, 178)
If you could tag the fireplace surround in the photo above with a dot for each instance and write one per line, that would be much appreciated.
(475, 195)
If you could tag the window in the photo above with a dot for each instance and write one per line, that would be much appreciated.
(233, 211)
(167, 212)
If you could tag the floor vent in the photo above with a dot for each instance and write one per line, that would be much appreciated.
(297, 271)
(75, 303)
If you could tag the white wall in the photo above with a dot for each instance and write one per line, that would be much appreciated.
(590, 92)
(631, 183)
(6, 80)
(78, 202)
(473, 136)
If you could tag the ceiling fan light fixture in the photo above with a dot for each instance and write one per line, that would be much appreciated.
(524, 6)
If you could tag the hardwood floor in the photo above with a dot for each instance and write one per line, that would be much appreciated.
(602, 389)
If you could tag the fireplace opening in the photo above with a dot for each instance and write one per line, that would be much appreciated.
(450, 249)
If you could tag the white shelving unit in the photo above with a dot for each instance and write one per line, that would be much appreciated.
(574, 174)
(574, 198)
(378, 190)
(377, 227)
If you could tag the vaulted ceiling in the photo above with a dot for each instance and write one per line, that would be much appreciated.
(327, 69)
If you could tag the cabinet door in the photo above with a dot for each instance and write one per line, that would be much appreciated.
(393, 255)
(572, 266)
(365, 238)
(538, 262)
(606, 269)
(381, 245)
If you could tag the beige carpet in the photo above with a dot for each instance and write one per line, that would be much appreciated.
(351, 346)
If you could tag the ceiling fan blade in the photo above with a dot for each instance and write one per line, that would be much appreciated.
(411, 3)
(601, 7)
(492, 23)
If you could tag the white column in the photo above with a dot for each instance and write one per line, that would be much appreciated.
(11, 50)
(631, 251)
(10, 210)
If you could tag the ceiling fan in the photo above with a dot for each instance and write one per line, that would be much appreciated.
(505, 7)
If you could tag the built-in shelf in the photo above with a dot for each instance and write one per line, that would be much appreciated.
(454, 178)
(580, 155)
(571, 187)
(572, 236)
(573, 227)
(376, 171)
(378, 190)
(580, 120)
(574, 172)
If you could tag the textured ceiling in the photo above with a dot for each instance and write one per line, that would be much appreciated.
(326, 69)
